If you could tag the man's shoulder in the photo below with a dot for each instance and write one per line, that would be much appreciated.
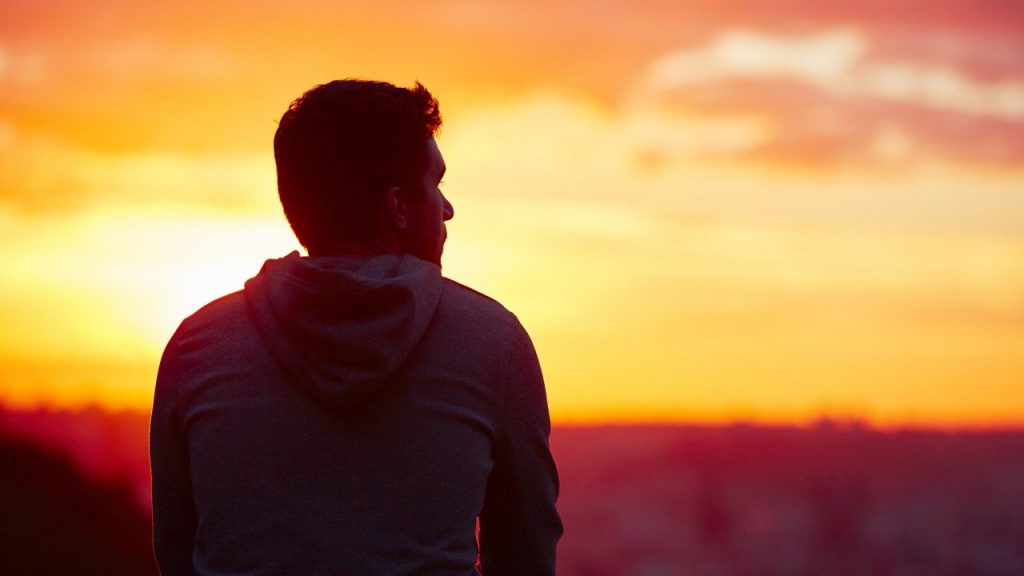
(219, 311)
(465, 291)
(469, 301)
(466, 310)
(205, 338)
(213, 322)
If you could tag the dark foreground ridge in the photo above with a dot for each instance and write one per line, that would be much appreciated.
(54, 520)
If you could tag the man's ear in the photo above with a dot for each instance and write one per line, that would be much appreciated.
(394, 211)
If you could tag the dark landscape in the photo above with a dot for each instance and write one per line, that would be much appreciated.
(730, 500)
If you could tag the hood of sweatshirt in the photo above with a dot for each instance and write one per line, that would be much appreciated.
(342, 326)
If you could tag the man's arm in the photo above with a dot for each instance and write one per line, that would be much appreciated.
(519, 525)
(174, 513)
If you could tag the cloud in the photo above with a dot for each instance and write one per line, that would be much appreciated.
(553, 148)
(834, 62)
(145, 55)
(834, 97)
(22, 67)
(817, 58)
(937, 86)
(46, 175)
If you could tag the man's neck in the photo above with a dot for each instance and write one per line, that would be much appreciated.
(367, 249)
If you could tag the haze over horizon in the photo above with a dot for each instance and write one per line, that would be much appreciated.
(708, 211)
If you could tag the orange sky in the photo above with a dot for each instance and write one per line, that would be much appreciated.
(703, 210)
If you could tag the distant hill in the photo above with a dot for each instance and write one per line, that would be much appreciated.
(737, 500)
(752, 501)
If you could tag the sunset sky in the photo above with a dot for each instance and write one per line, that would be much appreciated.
(771, 211)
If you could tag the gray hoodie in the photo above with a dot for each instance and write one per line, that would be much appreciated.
(352, 416)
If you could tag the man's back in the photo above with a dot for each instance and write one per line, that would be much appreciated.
(352, 416)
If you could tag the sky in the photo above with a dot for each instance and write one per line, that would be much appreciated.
(770, 211)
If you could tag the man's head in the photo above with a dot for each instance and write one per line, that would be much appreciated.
(357, 164)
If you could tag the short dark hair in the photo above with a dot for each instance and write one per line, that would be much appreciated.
(340, 146)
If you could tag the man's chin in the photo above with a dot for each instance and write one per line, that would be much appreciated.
(438, 259)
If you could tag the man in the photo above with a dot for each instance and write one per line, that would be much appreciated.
(354, 412)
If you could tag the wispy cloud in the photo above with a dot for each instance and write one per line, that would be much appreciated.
(41, 174)
(821, 58)
(833, 96)
(150, 56)
(835, 62)
(22, 67)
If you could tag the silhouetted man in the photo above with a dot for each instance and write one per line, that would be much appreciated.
(354, 412)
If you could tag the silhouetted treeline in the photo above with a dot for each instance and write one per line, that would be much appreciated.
(830, 500)
(55, 521)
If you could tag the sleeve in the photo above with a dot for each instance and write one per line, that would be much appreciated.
(174, 513)
(519, 524)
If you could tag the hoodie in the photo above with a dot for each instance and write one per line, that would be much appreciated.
(342, 327)
(352, 415)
